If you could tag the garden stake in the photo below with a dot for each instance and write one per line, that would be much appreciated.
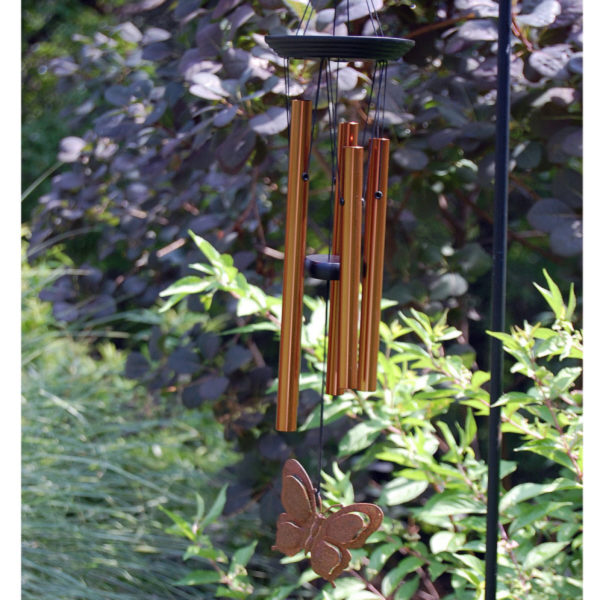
(498, 295)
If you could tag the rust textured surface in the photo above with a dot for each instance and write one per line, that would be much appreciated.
(293, 266)
(375, 213)
(326, 537)
(350, 266)
(347, 136)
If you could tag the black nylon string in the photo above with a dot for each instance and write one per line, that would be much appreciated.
(377, 30)
(332, 144)
(287, 93)
(310, 14)
(314, 114)
(373, 80)
(303, 16)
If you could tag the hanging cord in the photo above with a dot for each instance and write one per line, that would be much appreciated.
(333, 149)
(314, 114)
(308, 5)
(379, 29)
(385, 76)
(372, 20)
(348, 16)
(373, 80)
(364, 135)
(376, 121)
(287, 93)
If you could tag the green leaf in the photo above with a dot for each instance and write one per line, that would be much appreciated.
(519, 397)
(360, 437)
(207, 249)
(552, 296)
(572, 304)
(395, 576)
(217, 508)
(225, 592)
(401, 490)
(331, 412)
(525, 491)
(470, 429)
(380, 556)
(171, 302)
(530, 514)
(209, 553)
(451, 503)
(182, 528)
(187, 285)
(542, 552)
(446, 541)
(261, 326)
(407, 590)
(563, 381)
(479, 378)
(475, 564)
(241, 556)
(247, 306)
(200, 578)
(199, 507)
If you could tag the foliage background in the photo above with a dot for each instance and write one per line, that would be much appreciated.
(162, 107)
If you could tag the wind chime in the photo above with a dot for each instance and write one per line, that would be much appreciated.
(353, 333)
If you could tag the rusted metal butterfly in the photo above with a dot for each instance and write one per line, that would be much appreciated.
(303, 526)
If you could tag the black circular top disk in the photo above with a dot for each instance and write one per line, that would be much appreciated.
(340, 47)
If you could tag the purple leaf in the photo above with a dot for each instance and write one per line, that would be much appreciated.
(208, 40)
(208, 86)
(542, 15)
(478, 30)
(236, 149)
(411, 159)
(63, 66)
(566, 238)
(156, 51)
(155, 34)
(119, 95)
(547, 213)
(129, 32)
(551, 61)
(271, 122)
(224, 117)
(239, 16)
(137, 366)
(70, 148)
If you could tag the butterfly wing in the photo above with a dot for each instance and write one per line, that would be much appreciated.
(348, 528)
(297, 493)
(327, 560)
(298, 499)
(290, 538)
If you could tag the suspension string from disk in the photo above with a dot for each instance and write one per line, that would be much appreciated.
(333, 148)
(308, 5)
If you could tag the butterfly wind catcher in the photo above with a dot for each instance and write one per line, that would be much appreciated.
(353, 325)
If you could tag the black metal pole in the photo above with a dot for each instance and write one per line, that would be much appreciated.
(498, 293)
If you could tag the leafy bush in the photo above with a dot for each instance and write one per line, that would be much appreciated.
(97, 459)
(414, 447)
(188, 124)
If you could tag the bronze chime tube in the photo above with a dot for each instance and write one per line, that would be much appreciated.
(350, 266)
(347, 136)
(376, 204)
(293, 265)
